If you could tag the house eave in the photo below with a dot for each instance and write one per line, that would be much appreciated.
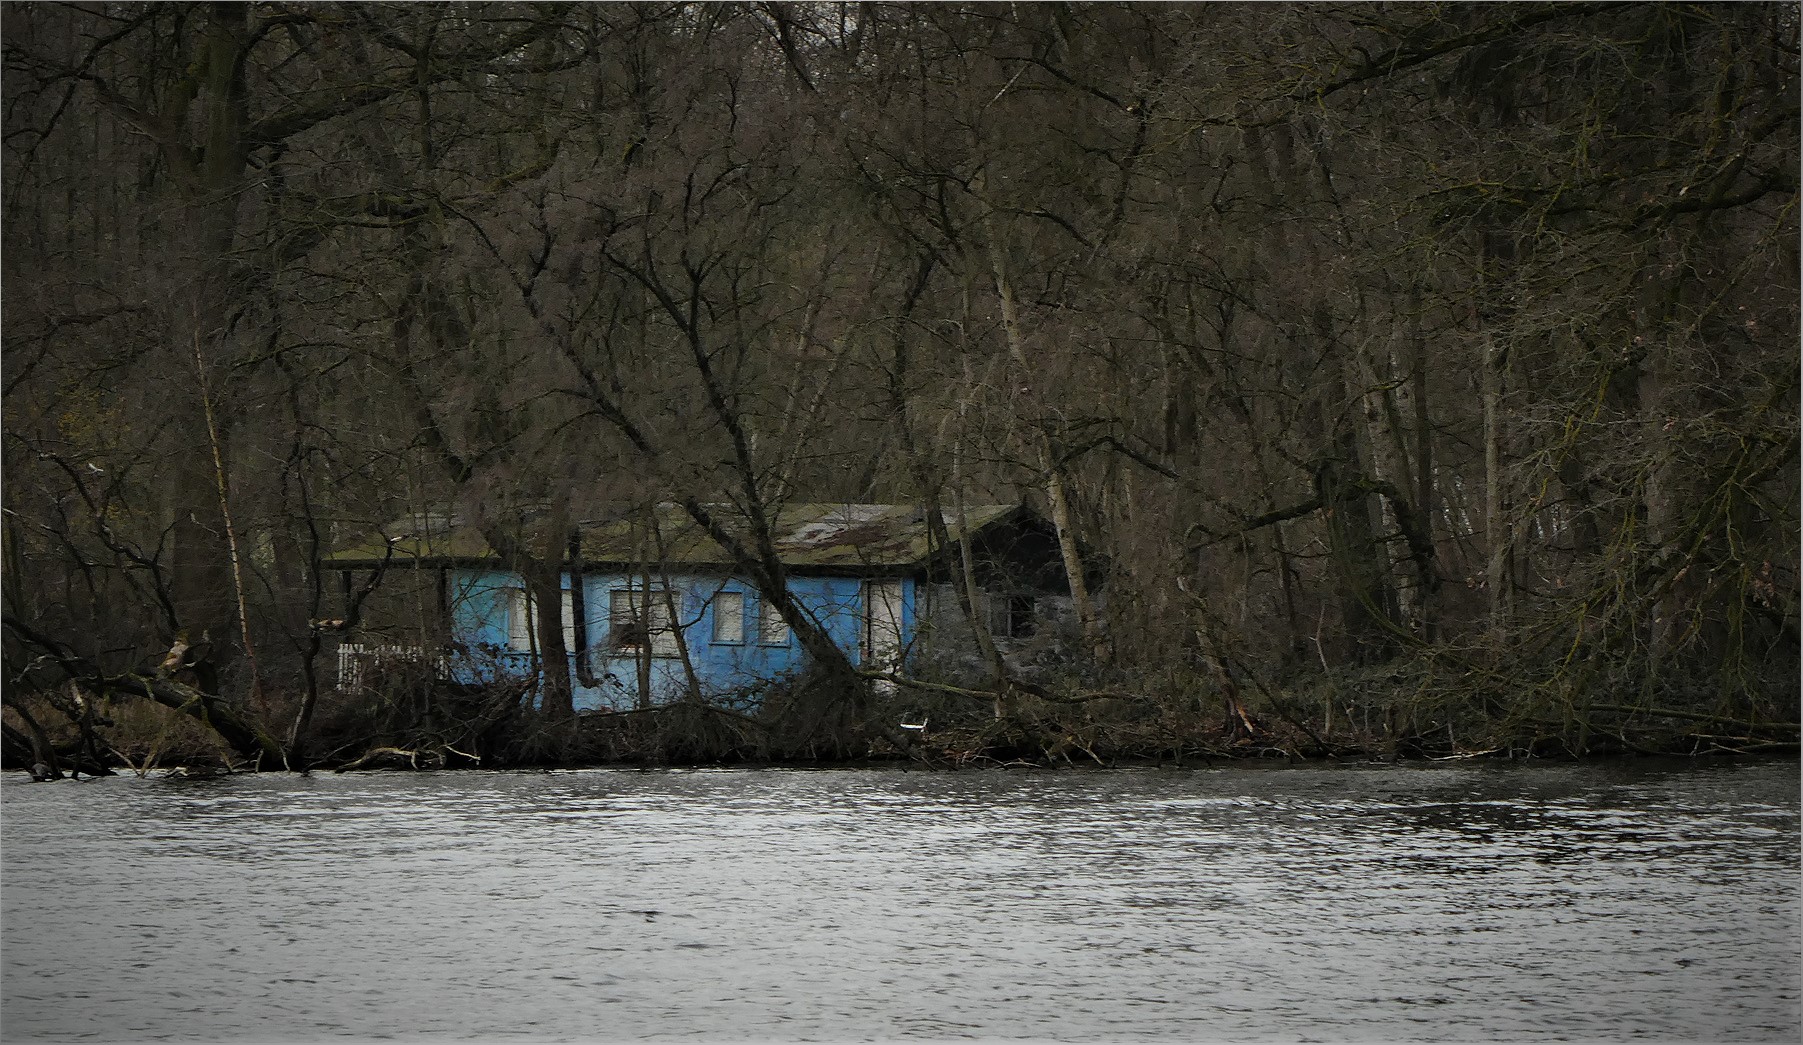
(813, 540)
(495, 563)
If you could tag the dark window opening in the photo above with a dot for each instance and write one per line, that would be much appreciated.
(1021, 619)
(1011, 616)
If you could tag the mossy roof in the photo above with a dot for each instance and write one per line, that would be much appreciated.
(821, 536)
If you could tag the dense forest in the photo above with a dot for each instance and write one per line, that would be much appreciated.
(1412, 379)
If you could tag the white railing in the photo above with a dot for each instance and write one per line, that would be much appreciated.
(355, 660)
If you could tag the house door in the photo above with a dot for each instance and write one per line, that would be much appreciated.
(883, 629)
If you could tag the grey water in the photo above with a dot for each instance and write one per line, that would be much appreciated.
(1466, 902)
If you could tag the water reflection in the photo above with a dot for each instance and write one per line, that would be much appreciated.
(1412, 903)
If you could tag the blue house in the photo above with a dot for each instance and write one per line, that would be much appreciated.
(653, 610)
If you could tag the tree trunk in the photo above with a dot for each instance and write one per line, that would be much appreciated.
(43, 753)
(200, 581)
(1351, 510)
(1094, 636)
(544, 575)
(1425, 506)
(1499, 574)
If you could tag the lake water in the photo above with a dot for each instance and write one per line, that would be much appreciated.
(1449, 901)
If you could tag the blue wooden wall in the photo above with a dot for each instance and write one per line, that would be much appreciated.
(726, 672)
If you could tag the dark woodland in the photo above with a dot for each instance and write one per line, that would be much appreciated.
(1400, 380)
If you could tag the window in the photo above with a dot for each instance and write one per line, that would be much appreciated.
(522, 621)
(519, 620)
(773, 630)
(883, 630)
(1008, 616)
(630, 626)
(882, 620)
(729, 616)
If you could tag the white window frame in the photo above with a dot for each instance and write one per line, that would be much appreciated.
(660, 628)
(884, 607)
(773, 630)
(518, 611)
(729, 625)
(521, 612)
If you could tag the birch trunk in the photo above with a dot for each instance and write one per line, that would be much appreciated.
(1057, 498)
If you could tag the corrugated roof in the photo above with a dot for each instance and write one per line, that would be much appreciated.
(826, 536)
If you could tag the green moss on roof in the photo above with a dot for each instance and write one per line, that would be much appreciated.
(817, 535)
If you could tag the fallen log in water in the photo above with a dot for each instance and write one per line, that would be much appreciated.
(394, 758)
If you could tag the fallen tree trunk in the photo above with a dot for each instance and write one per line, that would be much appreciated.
(1697, 716)
(245, 739)
(394, 758)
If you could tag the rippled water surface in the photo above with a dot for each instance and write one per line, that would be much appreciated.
(1459, 902)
